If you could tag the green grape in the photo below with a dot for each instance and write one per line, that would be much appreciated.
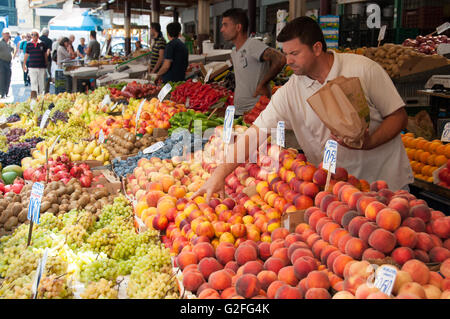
(54, 287)
(102, 289)
(101, 268)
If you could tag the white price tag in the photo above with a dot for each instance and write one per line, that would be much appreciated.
(53, 145)
(164, 91)
(280, 133)
(153, 148)
(385, 279)
(123, 89)
(106, 100)
(33, 104)
(228, 124)
(34, 207)
(114, 106)
(39, 272)
(123, 109)
(44, 119)
(188, 102)
(208, 74)
(382, 32)
(229, 63)
(330, 155)
(446, 133)
(138, 114)
(443, 27)
(101, 136)
(3, 119)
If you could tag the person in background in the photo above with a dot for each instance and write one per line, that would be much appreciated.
(81, 48)
(22, 48)
(36, 54)
(48, 43)
(255, 64)
(17, 51)
(17, 39)
(175, 56)
(93, 49)
(158, 46)
(72, 41)
(6, 54)
(63, 53)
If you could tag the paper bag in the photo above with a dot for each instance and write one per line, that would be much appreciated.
(342, 107)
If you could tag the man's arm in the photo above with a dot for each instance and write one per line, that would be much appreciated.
(165, 67)
(277, 62)
(159, 62)
(25, 58)
(216, 183)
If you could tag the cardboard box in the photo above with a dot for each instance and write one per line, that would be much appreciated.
(422, 64)
(160, 132)
(291, 220)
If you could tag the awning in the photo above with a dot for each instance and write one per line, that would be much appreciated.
(77, 20)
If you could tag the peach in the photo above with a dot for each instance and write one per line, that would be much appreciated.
(432, 292)
(228, 293)
(445, 268)
(273, 287)
(363, 202)
(232, 265)
(225, 253)
(363, 291)
(203, 287)
(332, 257)
(418, 270)
(209, 265)
(287, 292)
(319, 197)
(339, 264)
(317, 293)
(346, 192)
(412, 288)
(220, 280)
(406, 296)
(295, 246)
(338, 186)
(300, 252)
(388, 219)
(446, 243)
(335, 236)
(310, 189)
(378, 295)
(347, 218)
(355, 225)
(327, 229)
(209, 293)
(291, 239)
(266, 277)
(332, 206)
(406, 237)
(445, 294)
(252, 267)
(248, 286)
(353, 282)
(415, 223)
(303, 266)
(437, 242)
(371, 253)
(353, 200)
(421, 255)
(326, 251)
(282, 253)
(382, 240)
(321, 223)
(287, 275)
(326, 200)
(441, 227)
(203, 250)
(421, 211)
(365, 230)
(264, 250)
(160, 222)
(424, 242)
(273, 264)
(317, 279)
(186, 258)
(303, 202)
(338, 213)
(445, 284)
(372, 210)
(402, 278)
(378, 185)
(317, 247)
(275, 244)
(355, 248)
(401, 205)
(359, 268)
(190, 267)
(439, 254)
(192, 280)
(343, 295)
(435, 279)
(402, 255)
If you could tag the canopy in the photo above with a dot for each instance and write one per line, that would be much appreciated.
(77, 20)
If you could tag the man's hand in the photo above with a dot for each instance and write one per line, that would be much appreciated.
(367, 145)
(24, 67)
(215, 184)
(262, 90)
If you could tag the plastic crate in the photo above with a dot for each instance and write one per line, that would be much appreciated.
(414, 4)
(423, 18)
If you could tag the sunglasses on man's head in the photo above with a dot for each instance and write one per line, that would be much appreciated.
(34, 35)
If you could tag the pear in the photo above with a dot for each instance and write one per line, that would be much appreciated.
(97, 151)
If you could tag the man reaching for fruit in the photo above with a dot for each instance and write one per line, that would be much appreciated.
(382, 156)
(255, 64)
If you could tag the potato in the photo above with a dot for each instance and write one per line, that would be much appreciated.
(16, 208)
(84, 200)
(45, 205)
(52, 211)
(5, 216)
(55, 206)
(61, 191)
(17, 198)
(12, 221)
(64, 207)
(23, 215)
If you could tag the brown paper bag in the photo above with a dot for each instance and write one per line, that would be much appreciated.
(342, 107)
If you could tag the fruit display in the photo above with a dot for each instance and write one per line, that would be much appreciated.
(201, 96)
(135, 90)
(260, 106)
(121, 142)
(87, 251)
(426, 44)
(425, 156)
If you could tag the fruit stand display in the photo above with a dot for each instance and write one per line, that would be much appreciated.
(118, 218)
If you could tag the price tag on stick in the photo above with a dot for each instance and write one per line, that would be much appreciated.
(39, 273)
(50, 151)
(446, 133)
(164, 91)
(106, 100)
(101, 136)
(329, 160)
(208, 74)
(138, 115)
(44, 119)
(114, 106)
(381, 34)
(153, 148)
(280, 133)
(385, 279)
(443, 27)
(228, 127)
(34, 207)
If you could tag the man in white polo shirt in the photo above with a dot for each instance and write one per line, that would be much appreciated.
(382, 156)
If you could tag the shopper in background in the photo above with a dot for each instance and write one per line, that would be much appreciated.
(72, 41)
(49, 43)
(93, 49)
(6, 54)
(36, 54)
(81, 48)
(63, 53)
(175, 56)
(22, 46)
(382, 156)
(17, 46)
(255, 64)
(158, 47)
(17, 39)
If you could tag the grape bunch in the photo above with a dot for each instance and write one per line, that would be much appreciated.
(153, 285)
(14, 134)
(33, 141)
(13, 118)
(54, 287)
(59, 116)
(19, 288)
(102, 289)
(101, 268)
(15, 154)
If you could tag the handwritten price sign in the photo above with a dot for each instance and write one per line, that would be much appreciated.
(330, 156)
